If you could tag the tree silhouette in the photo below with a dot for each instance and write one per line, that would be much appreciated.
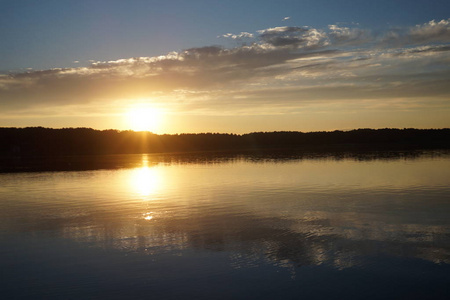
(33, 141)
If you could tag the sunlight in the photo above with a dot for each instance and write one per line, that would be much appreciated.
(145, 181)
(144, 118)
(147, 216)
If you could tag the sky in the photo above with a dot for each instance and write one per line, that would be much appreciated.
(225, 66)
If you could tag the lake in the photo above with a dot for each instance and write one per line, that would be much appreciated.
(228, 226)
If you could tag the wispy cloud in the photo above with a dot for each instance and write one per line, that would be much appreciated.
(345, 35)
(280, 67)
(240, 36)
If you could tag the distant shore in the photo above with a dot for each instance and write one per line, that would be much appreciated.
(37, 141)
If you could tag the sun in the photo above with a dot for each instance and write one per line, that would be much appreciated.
(144, 118)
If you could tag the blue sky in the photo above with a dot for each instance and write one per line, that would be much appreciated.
(249, 65)
(47, 34)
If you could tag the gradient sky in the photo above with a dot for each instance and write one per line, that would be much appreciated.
(225, 66)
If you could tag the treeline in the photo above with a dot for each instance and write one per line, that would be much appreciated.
(72, 141)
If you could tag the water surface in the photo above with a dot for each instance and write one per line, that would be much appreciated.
(230, 227)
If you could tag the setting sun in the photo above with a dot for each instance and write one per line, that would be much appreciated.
(144, 118)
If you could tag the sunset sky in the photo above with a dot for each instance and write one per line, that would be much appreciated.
(225, 66)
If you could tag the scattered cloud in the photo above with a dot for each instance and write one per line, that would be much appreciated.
(279, 67)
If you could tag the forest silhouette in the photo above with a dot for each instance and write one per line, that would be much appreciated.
(33, 141)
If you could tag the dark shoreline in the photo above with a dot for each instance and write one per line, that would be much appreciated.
(46, 149)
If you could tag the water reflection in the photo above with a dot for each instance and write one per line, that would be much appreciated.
(146, 180)
(148, 216)
(341, 240)
(342, 214)
(96, 162)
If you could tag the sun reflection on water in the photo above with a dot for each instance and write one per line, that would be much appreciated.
(147, 216)
(146, 180)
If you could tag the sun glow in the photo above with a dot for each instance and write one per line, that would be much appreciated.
(144, 118)
(145, 181)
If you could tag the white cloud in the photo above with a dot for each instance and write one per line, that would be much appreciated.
(346, 35)
(431, 32)
(240, 36)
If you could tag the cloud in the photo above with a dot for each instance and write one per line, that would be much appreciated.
(285, 18)
(431, 32)
(297, 37)
(346, 35)
(281, 66)
(420, 51)
(242, 35)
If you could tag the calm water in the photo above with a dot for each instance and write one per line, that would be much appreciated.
(237, 227)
